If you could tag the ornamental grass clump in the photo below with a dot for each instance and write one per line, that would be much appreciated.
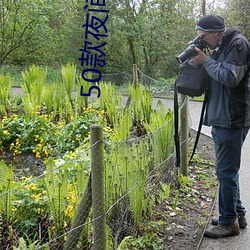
(5, 90)
(33, 86)
(141, 106)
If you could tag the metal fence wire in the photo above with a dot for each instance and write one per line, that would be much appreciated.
(46, 211)
(92, 201)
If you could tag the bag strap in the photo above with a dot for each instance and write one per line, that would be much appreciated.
(199, 127)
(176, 126)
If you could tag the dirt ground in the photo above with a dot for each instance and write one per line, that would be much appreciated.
(187, 222)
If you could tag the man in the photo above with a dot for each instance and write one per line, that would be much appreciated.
(228, 112)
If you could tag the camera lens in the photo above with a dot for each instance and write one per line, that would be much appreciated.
(187, 53)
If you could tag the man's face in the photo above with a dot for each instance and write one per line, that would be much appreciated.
(211, 38)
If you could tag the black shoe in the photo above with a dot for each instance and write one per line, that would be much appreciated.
(221, 231)
(241, 219)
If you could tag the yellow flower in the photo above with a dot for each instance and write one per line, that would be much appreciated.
(69, 211)
(37, 196)
(31, 186)
(38, 155)
(6, 132)
(73, 199)
(14, 209)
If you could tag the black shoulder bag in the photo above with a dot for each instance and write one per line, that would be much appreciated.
(191, 81)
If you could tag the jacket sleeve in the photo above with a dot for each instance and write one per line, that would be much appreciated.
(234, 66)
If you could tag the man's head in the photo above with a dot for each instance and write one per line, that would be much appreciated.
(211, 29)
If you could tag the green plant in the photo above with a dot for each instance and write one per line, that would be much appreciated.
(6, 196)
(161, 128)
(184, 181)
(68, 74)
(176, 199)
(33, 86)
(82, 101)
(141, 104)
(147, 241)
(113, 108)
(164, 191)
(126, 172)
(30, 208)
(48, 97)
(5, 89)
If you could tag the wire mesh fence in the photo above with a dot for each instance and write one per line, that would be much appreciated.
(55, 210)
(41, 210)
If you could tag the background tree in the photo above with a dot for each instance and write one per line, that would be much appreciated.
(21, 22)
(237, 13)
(149, 33)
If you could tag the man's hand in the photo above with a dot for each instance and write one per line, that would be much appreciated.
(200, 58)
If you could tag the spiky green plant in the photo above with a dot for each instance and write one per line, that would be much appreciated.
(126, 171)
(114, 107)
(68, 74)
(161, 129)
(48, 97)
(6, 184)
(5, 90)
(33, 86)
(56, 185)
(141, 104)
(82, 101)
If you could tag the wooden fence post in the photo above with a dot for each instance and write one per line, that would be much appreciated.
(98, 194)
(135, 74)
(135, 81)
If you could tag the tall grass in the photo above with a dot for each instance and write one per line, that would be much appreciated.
(6, 197)
(141, 105)
(161, 128)
(114, 107)
(33, 86)
(5, 90)
(68, 74)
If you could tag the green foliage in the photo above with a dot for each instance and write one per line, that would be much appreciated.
(48, 98)
(68, 73)
(161, 126)
(141, 104)
(114, 108)
(6, 184)
(43, 137)
(30, 206)
(82, 101)
(30, 245)
(164, 191)
(128, 161)
(126, 172)
(5, 89)
(56, 187)
(33, 86)
(147, 241)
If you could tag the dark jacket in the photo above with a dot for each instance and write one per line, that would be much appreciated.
(229, 90)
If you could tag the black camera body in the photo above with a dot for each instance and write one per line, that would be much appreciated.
(190, 51)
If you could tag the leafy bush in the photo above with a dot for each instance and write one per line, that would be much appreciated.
(43, 137)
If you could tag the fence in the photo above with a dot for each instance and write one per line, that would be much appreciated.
(64, 208)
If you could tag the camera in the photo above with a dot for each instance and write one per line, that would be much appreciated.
(190, 51)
